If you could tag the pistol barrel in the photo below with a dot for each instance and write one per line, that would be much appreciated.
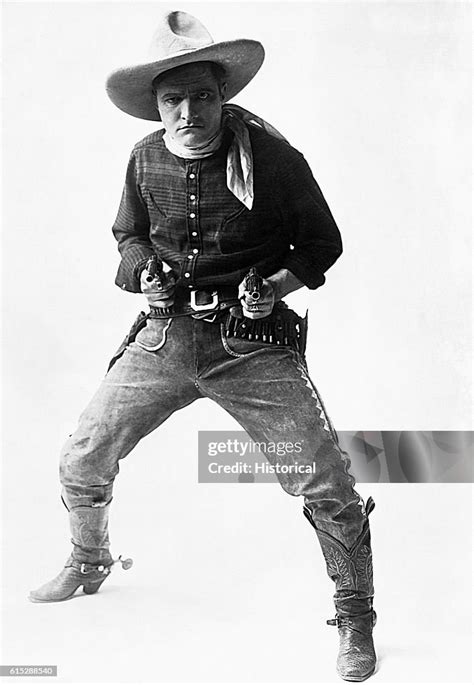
(154, 266)
(253, 284)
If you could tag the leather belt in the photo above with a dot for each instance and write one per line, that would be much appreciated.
(198, 302)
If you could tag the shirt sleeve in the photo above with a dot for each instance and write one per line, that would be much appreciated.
(313, 232)
(132, 232)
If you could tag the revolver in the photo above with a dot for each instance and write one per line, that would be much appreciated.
(154, 266)
(253, 284)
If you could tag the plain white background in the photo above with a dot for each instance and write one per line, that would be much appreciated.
(377, 97)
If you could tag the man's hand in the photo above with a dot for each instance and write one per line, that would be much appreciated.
(159, 292)
(257, 309)
(273, 289)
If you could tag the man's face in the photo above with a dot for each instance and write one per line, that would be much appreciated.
(190, 101)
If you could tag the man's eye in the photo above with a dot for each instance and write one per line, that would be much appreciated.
(171, 101)
(203, 95)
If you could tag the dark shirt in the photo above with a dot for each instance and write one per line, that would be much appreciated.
(183, 211)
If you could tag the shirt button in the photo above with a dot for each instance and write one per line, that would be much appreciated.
(192, 215)
(124, 285)
(192, 197)
(187, 274)
(195, 250)
(192, 175)
(194, 233)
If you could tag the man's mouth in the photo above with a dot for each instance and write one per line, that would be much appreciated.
(185, 128)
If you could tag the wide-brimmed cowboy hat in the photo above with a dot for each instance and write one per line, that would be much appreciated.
(181, 39)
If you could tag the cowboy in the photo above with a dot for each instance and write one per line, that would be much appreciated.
(214, 194)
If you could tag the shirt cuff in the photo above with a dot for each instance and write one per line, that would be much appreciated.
(133, 262)
(305, 272)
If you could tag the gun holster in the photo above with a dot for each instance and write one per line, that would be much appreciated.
(138, 324)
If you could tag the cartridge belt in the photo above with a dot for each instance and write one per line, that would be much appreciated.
(282, 327)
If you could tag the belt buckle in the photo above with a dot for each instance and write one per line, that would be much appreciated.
(200, 307)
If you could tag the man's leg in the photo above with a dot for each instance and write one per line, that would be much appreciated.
(141, 391)
(268, 391)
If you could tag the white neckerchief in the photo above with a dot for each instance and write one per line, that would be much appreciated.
(199, 152)
(239, 155)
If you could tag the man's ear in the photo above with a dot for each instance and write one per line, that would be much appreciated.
(155, 98)
(223, 90)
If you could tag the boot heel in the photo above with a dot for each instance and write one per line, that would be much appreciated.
(91, 588)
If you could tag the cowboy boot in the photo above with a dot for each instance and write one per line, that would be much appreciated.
(351, 570)
(71, 577)
(90, 562)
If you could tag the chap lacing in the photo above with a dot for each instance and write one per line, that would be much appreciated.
(324, 417)
(328, 426)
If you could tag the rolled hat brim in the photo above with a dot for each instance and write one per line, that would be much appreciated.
(130, 88)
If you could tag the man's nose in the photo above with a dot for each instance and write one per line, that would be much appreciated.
(188, 110)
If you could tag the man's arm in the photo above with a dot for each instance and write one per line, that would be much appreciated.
(132, 232)
(311, 227)
(273, 289)
(284, 282)
(312, 231)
